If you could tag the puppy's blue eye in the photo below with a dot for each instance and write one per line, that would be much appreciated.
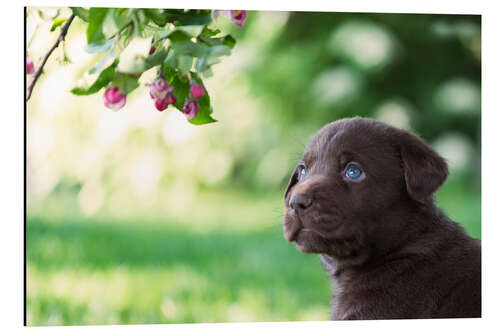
(353, 172)
(302, 172)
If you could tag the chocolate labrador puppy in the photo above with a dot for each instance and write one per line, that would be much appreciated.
(362, 198)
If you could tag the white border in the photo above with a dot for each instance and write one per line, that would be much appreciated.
(11, 173)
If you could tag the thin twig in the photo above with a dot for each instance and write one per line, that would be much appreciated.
(63, 33)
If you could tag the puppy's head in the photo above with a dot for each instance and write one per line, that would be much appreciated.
(355, 187)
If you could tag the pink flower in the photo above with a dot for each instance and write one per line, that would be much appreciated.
(237, 16)
(197, 90)
(30, 66)
(159, 88)
(191, 109)
(161, 92)
(170, 98)
(162, 103)
(114, 99)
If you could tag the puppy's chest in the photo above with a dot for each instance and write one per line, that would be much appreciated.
(382, 294)
(364, 292)
(349, 297)
(364, 296)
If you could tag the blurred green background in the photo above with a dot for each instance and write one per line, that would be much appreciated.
(139, 217)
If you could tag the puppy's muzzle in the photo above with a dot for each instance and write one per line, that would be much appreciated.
(291, 230)
(300, 202)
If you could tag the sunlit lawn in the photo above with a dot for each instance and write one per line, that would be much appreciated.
(105, 271)
(95, 271)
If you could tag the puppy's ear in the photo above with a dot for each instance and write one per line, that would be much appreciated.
(293, 180)
(424, 169)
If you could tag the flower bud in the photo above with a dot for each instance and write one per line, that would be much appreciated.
(191, 109)
(238, 17)
(30, 66)
(161, 104)
(197, 90)
(114, 99)
(170, 98)
(159, 88)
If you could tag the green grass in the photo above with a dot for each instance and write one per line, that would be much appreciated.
(96, 272)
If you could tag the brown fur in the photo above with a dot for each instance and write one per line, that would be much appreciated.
(390, 252)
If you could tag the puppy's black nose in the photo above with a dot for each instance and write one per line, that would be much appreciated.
(300, 202)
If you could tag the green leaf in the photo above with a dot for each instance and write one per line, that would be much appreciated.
(201, 64)
(209, 32)
(100, 47)
(189, 18)
(102, 62)
(161, 34)
(94, 29)
(211, 58)
(120, 17)
(181, 91)
(156, 16)
(155, 59)
(169, 74)
(142, 64)
(191, 30)
(219, 50)
(208, 73)
(106, 76)
(178, 36)
(229, 41)
(126, 83)
(57, 22)
(81, 13)
(171, 59)
(190, 48)
(184, 64)
(202, 118)
(127, 39)
(136, 24)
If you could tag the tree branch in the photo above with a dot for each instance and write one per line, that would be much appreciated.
(39, 71)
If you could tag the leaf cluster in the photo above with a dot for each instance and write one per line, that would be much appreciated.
(184, 46)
